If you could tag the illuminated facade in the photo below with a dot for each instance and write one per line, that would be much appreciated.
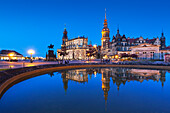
(10, 55)
(146, 51)
(121, 44)
(105, 40)
(75, 48)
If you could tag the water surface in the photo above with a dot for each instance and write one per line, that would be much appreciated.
(94, 90)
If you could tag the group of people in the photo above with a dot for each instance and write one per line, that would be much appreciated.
(66, 61)
(63, 62)
(105, 60)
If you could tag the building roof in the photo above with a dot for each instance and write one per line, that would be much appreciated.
(145, 45)
(90, 45)
(132, 40)
(168, 48)
(9, 51)
(150, 40)
(81, 37)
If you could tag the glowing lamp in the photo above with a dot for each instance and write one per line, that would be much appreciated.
(31, 52)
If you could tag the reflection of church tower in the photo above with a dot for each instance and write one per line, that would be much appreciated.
(105, 84)
(118, 83)
(64, 39)
(162, 79)
(105, 35)
(65, 81)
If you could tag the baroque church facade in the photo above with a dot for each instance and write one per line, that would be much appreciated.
(75, 48)
(120, 44)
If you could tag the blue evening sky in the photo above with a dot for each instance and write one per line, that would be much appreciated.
(34, 24)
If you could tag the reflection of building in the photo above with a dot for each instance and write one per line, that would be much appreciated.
(10, 55)
(79, 75)
(123, 75)
(119, 76)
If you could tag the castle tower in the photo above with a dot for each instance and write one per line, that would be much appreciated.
(118, 35)
(162, 39)
(105, 35)
(64, 39)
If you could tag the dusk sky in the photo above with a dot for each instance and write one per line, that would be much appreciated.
(35, 24)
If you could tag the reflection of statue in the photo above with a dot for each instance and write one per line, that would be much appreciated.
(51, 74)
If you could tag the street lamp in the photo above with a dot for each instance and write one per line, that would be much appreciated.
(31, 52)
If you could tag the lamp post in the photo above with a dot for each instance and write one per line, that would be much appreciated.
(31, 52)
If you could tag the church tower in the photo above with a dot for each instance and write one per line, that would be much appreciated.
(162, 39)
(105, 35)
(64, 39)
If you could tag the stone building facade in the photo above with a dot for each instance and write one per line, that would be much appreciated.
(75, 48)
(146, 51)
(120, 44)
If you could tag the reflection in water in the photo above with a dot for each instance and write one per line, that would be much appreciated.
(45, 93)
(118, 75)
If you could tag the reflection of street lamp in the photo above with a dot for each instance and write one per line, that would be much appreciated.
(31, 52)
(10, 56)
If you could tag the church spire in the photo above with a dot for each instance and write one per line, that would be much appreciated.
(105, 20)
(105, 34)
(118, 29)
(162, 32)
(105, 13)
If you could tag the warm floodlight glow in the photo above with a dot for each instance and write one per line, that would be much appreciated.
(31, 52)
(95, 46)
(11, 54)
(116, 56)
